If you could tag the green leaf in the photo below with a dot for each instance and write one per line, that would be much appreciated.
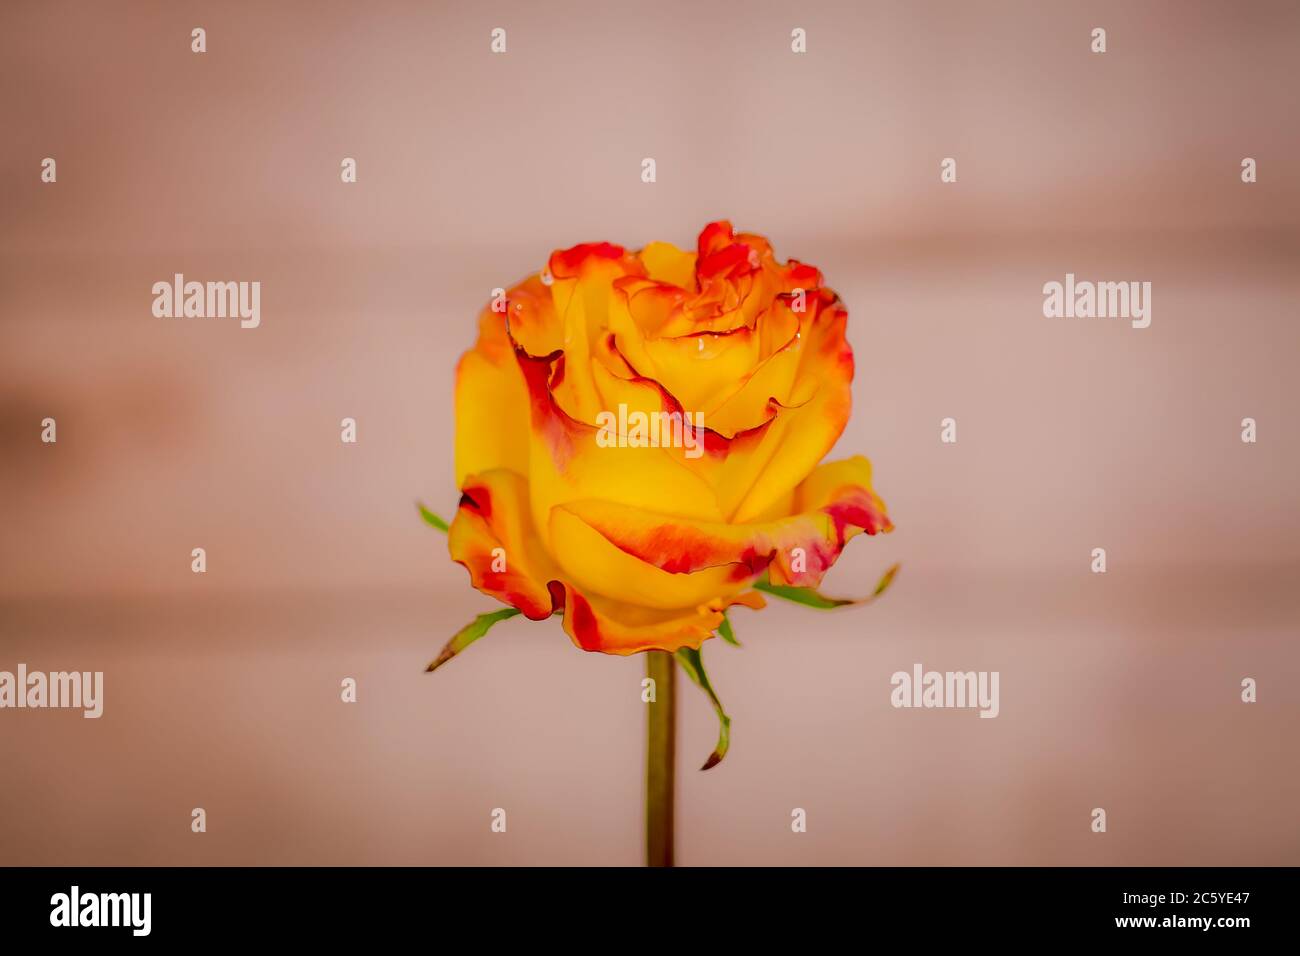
(432, 518)
(726, 633)
(811, 597)
(693, 663)
(470, 633)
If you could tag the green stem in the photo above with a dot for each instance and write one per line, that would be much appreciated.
(661, 759)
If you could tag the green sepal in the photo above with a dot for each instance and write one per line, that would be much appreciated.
(470, 633)
(693, 663)
(726, 633)
(432, 519)
(811, 597)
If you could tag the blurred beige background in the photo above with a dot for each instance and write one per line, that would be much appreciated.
(1119, 691)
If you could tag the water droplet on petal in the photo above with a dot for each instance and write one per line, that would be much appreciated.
(546, 277)
(701, 341)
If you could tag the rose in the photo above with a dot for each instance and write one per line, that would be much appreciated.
(644, 546)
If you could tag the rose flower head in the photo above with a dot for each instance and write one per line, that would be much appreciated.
(639, 443)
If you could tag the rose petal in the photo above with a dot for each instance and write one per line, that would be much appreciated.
(835, 504)
(493, 528)
(597, 624)
(491, 404)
